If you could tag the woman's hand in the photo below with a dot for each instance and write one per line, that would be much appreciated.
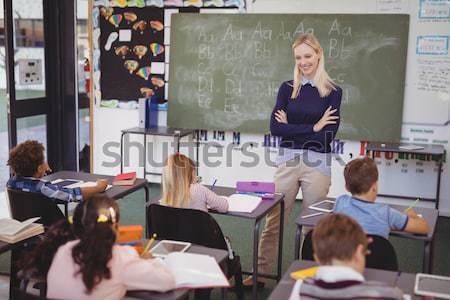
(326, 119)
(281, 116)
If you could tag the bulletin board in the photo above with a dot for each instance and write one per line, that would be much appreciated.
(131, 45)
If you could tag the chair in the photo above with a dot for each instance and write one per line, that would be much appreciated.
(382, 254)
(194, 226)
(18, 294)
(25, 205)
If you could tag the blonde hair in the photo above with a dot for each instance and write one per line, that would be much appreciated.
(177, 177)
(321, 79)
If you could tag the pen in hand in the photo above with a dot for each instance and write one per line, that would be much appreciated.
(147, 248)
(412, 205)
(212, 186)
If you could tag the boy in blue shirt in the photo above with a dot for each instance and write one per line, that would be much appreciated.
(361, 180)
(29, 166)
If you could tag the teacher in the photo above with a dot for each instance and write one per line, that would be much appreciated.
(306, 116)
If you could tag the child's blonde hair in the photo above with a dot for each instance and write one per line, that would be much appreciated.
(321, 79)
(177, 177)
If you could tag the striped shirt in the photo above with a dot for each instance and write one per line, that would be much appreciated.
(38, 185)
(340, 282)
(203, 198)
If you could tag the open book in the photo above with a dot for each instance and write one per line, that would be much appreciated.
(410, 147)
(195, 270)
(12, 231)
(83, 184)
(243, 203)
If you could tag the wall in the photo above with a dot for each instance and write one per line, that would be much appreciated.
(425, 113)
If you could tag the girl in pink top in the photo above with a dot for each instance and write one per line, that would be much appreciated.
(181, 190)
(88, 264)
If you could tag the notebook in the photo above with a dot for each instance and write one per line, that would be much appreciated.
(243, 203)
(12, 231)
(410, 147)
(83, 184)
(195, 270)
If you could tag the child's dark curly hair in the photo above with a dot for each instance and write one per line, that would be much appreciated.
(25, 158)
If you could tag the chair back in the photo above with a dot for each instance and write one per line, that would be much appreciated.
(307, 247)
(18, 294)
(182, 224)
(382, 254)
(25, 205)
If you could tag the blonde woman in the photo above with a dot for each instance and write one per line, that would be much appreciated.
(306, 116)
(181, 190)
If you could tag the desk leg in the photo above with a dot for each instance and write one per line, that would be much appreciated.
(177, 143)
(255, 259)
(280, 241)
(121, 152)
(438, 188)
(147, 203)
(427, 257)
(197, 144)
(14, 282)
(145, 156)
(298, 238)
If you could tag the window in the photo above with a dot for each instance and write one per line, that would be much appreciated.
(29, 33)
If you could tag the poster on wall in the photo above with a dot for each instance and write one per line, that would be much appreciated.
(132, 53)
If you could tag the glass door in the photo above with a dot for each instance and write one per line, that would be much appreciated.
(26, 97)
(41, 97)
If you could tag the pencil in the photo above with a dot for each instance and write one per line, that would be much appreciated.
(213, 185)
(412, 205)
(150, 242)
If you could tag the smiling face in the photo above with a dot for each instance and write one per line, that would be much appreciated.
(306, 60)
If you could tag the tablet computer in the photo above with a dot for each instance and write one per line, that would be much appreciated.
(324, 206)
(166, 247)
(432, 285)
(64, 182)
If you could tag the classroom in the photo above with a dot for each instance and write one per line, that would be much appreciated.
(188, 112)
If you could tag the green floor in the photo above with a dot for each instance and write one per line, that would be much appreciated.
(409, 252)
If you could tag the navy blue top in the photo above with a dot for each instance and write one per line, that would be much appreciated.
(302, 113)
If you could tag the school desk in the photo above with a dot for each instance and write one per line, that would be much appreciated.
(218, 254)
(115, 192)
(436, 150)
(258, 215)
(405, 281)
(429, 214)
(176, 133)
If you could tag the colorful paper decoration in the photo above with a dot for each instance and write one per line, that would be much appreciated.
(196, 3)
(130, 16)
(122, 51)
(156, 48)
(106, 12)
(115, 20)
(140, 51)
(131, 65)
(147, 92)
(144, 72)
(156, 25)
(140, 26)
(158, 82)
(157, 3)
(119, 3)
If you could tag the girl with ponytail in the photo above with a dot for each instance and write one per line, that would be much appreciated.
(86, 263)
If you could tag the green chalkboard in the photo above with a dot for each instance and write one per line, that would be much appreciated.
(225, 70)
